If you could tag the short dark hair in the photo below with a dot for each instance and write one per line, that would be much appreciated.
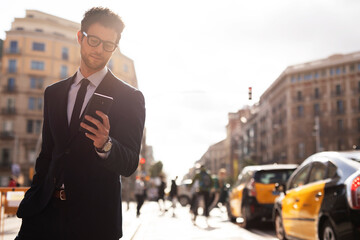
(105, 17)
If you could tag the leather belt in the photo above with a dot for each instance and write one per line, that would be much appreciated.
(60, 194)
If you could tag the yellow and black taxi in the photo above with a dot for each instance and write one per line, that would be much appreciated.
(321, 199)
(252, 197)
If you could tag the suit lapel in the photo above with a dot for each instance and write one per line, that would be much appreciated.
(103, 88)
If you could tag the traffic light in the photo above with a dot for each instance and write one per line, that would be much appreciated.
(250, 93)
(142, 161)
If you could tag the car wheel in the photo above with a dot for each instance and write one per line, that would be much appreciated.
(246, 223)
(279, 227)
(328, 232)
(183, 200)
(228, 210)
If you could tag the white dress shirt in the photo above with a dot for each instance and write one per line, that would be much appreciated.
(95, 79)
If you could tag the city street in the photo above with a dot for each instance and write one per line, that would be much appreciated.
(155, 225)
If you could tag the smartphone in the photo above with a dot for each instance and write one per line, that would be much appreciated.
(98, 102)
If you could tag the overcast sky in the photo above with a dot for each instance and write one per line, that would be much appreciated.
(195, 59)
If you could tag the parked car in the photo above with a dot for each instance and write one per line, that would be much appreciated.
(321, 199)
(252, 196)
(184, 192)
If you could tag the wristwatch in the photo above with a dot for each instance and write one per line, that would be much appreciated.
(106, 148)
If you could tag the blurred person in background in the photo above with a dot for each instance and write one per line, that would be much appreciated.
(173, 194)
(203, 192)
(140, 193)
(161, 194)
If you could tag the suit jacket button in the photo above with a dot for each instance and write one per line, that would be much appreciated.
(67, 151)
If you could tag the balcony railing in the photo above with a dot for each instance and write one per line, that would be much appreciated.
(8, 111)
(7, 135)
(12, 51)
(10, 89)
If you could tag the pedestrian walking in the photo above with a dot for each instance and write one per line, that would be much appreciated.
(161, 194)
(140, 193)
(76, 190)
(173, 194)
(203, 192)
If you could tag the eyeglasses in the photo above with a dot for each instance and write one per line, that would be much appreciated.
(94, 41)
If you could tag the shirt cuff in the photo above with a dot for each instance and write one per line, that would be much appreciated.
(103, 155)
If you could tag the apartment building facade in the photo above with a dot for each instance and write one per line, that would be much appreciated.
(39, 49)
(311, 107)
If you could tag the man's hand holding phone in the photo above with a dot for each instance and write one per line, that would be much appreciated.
(100, 134)
(95, 123)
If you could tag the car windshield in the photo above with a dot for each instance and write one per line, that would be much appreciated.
(273, 176)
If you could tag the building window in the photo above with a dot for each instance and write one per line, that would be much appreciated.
(65, 53)
(5, 157)
(358, 67)
(38, 30)
(38, 46)
(11, 103)
(37, 65)
(7, 126)
(317, 93)
(338, 70)
(11, 84)
(308, 76)
(316, 75)
(36, 83)
(299, 78)
(12, 66)
(29, 126)
(293, 79)
(31, 103)
(331, 72)
(316, 109)
(299, 95)
(338, 89)
(358, 86)
(358, 123)
(64, 71)
(339, 106)
(14, 47)
(352, 68)
(300, 111)
(340, 124)
(39, 104)
(323, 73)
(38, 126)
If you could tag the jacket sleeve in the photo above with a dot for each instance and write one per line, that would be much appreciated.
(126, 137)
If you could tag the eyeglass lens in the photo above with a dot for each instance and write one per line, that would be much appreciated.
(95, 41)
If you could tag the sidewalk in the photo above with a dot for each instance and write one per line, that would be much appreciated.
(131, 224)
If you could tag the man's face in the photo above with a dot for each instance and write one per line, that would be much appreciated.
(94, 59)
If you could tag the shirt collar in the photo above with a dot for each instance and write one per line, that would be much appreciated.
(95, 79)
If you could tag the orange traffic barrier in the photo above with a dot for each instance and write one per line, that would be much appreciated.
(10, 198)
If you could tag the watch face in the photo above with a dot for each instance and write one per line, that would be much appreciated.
(107, 146)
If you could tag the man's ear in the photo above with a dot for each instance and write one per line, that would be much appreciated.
(79, 36)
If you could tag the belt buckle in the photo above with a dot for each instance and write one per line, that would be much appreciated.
(62, 195)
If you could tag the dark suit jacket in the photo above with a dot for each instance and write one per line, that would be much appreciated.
(93, 185)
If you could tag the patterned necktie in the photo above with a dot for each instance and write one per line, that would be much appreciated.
(74, 122)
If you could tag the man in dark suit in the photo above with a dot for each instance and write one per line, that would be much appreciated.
(76, 191)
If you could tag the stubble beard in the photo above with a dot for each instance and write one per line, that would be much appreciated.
(92, 65)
